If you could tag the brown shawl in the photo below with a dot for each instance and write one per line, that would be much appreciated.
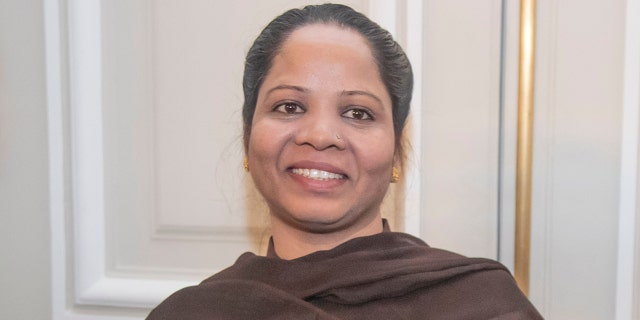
(385, 276)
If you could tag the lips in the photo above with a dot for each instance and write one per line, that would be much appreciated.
(322, 173)
(317, 174)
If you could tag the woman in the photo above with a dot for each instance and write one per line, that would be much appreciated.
(327, 93)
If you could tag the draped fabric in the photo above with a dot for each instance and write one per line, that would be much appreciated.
(385, 276)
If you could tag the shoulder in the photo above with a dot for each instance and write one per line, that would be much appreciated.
(476, 288)
(220, 300)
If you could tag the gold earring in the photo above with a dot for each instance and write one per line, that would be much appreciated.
(395, 175)
(245, 164)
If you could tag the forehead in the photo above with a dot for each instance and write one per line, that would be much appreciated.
(328, 37)
(326, 57)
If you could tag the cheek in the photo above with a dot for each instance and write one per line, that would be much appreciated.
(377, 154)
(265, 143)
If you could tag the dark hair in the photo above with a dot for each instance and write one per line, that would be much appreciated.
(394, 67)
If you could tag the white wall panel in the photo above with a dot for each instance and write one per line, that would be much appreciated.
(461, 125)
(578, 100)
(628, 262)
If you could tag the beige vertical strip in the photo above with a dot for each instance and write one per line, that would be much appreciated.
(525, 143)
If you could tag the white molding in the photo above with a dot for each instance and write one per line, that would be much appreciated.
(89, 285)
(92, 285)
(509, 69)
(414, 50)
(54, 81)
(87, 170)
(629, 168)
(139, 293)
(55, 134)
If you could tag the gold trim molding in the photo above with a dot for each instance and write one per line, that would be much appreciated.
(524, 143)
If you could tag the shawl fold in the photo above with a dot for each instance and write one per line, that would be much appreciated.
(384, 276)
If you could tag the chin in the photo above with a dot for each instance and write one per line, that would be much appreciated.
(324, 221)
(320, 222)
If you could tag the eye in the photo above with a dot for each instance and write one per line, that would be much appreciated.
(288, 108)
(357, 114)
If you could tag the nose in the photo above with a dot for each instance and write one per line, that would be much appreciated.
(321, 130)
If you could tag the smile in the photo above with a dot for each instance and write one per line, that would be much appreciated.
(316, 174)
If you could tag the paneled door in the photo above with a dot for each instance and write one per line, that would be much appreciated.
(150, 142)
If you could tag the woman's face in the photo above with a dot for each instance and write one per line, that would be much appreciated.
(322, 141)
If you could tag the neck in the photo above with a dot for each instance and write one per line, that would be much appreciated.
(291, 242)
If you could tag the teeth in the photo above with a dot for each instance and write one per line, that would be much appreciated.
(317, 174)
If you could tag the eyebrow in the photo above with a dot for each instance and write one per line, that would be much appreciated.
(360, 92)
(304, 90)
(286, 87)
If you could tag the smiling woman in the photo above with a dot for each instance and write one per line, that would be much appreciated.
(323, 84)
(327, 93)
